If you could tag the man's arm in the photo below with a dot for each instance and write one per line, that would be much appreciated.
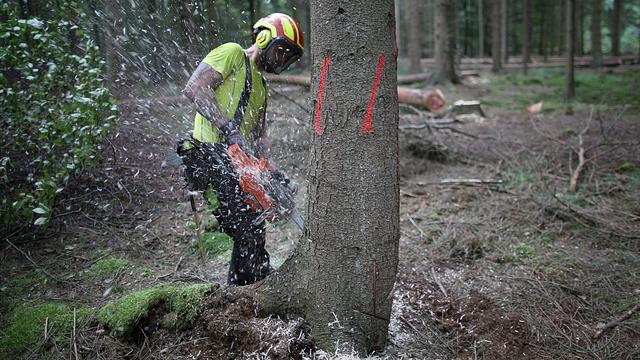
(199, 90)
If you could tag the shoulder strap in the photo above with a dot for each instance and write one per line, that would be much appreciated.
(244, 98)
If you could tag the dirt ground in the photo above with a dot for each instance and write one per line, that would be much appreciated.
(497, 259)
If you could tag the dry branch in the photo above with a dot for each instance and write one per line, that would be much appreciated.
(612, 324)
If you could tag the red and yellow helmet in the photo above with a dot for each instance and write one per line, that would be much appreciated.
(281, 40)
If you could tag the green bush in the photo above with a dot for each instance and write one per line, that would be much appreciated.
(55, 109)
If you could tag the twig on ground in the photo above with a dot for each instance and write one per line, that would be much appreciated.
(32, 262)
(435, 278)
(425, 339)
(596, 222)
(612, 324)
(416, 226)
(75, 344)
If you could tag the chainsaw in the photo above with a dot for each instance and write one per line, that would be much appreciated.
(267, 191)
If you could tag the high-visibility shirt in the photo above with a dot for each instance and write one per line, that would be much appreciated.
(228, 60)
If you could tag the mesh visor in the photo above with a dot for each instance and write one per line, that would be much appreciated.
(281, 54)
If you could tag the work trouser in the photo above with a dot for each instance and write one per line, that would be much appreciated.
(207, 165)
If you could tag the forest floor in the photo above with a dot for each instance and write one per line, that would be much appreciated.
(513, 266)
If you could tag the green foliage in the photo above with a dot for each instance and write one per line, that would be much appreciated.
(627, 167)
(215, 243)
(108, 267)
(26, 325)
(55, 109)
(122, 315)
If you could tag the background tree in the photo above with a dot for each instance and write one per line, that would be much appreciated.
(504, 27)
(579, 27)
(615, 28)
(343, 270)
(480, 28)
(526, 35)
(569, 87)
(496, 35)
(415, 34)
(596, 37)
(445, 24)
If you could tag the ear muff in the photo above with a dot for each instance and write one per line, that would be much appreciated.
(263, 38)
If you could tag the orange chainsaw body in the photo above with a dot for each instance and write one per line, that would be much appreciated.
(251, 174)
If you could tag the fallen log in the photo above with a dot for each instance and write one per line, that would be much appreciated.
(430, 99)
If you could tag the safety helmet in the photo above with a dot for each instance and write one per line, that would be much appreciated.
(280, 39)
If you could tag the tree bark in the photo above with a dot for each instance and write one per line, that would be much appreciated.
(504, 45)
(615, 28)
(569, 87)
(526, 35)
(496, 35)
(342, 272)
(445, 24)
(481, 28)
(596, 36)
(414, 37)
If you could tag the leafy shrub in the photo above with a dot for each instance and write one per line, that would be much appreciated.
(55, 109)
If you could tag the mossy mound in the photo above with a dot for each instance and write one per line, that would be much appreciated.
(182, 304)
(25, 326)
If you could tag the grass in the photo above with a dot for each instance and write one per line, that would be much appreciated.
(25, 326)
(215, 244)
(547, 86)
(122, 315)
(108, 267)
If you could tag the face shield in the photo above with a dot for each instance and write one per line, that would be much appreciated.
(279, 55)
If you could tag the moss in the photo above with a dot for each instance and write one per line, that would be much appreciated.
(108, 267)
(122, 315)
(26, 325)
(548, 240)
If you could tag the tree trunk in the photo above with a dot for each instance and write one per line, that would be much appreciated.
(302, 16)
(429, 29)
(562, 26)
(615, 28)
(579, 27)
(526, 35)
(480, 28)
(542, 49)
(342, 272)
(504, 28)
(596, 37)
(414, 37)
(396, 7)
(569, 87)
(496, 21)
(445, 23)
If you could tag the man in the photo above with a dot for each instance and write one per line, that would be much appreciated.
(230, 97)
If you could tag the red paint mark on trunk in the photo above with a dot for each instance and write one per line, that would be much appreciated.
(323, 76)
(367, 125)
